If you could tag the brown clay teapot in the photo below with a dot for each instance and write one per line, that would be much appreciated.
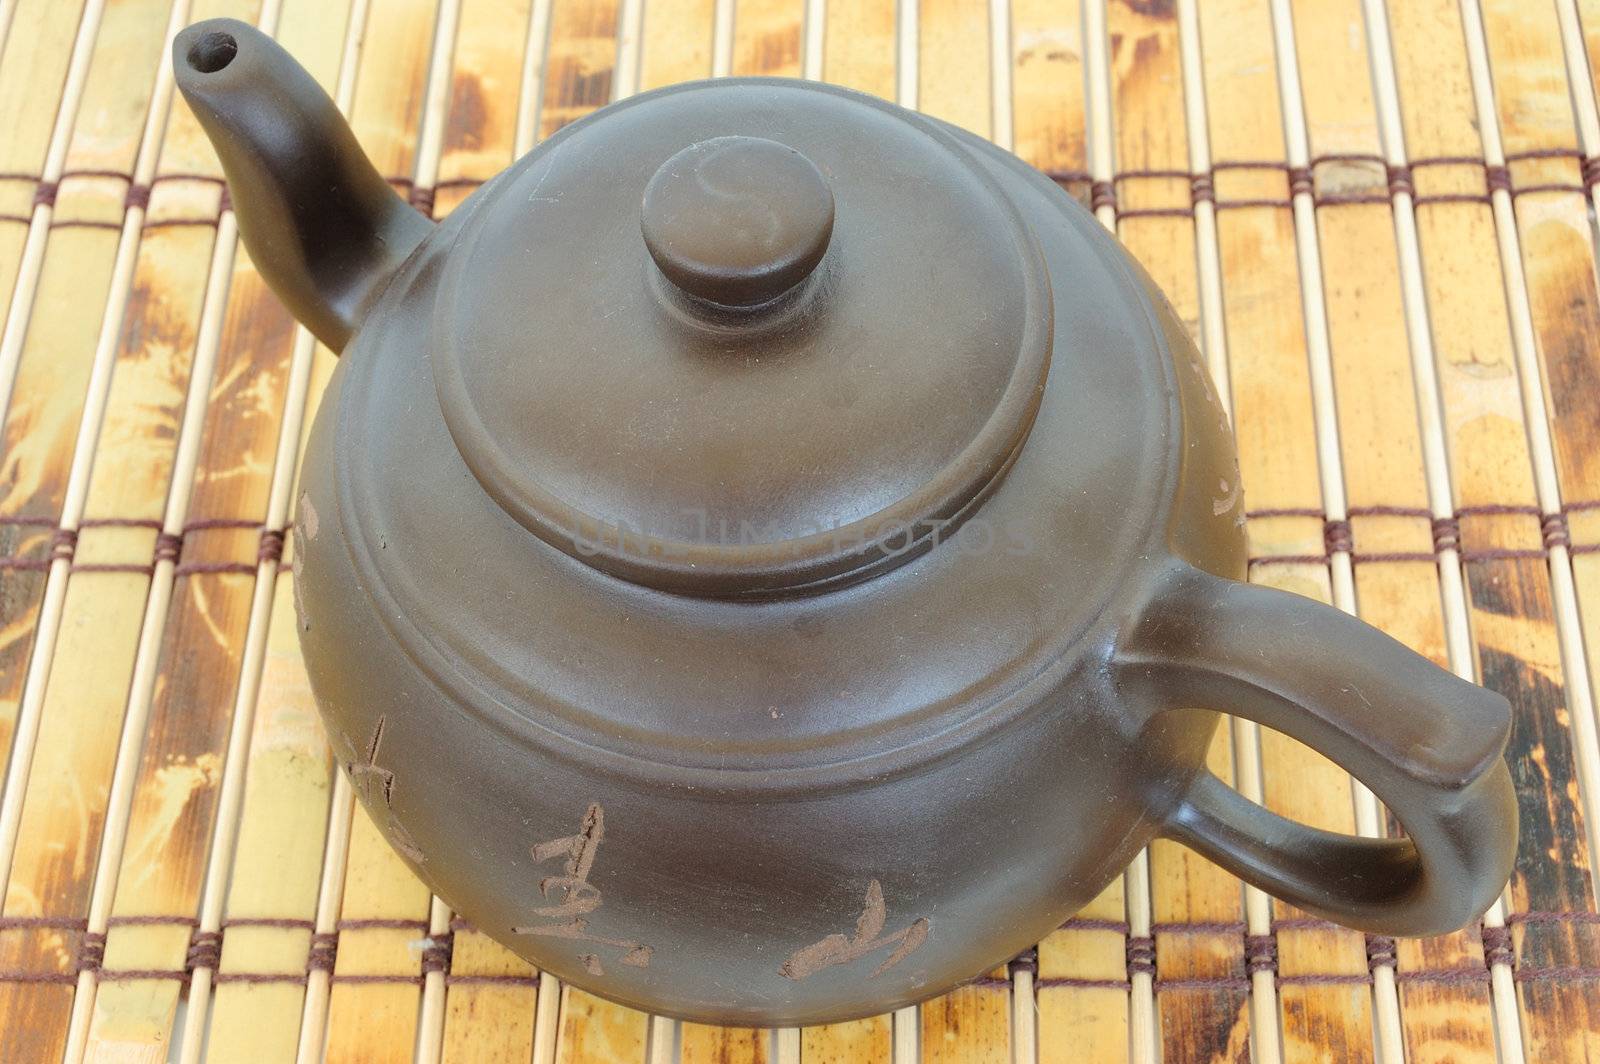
(770, 556)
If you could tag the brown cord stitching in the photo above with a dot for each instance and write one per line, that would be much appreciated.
(1102, 194)
(1446, 534)
(1155, 212)
(1400, 179)
(1047, 982)
(1329, 979)
(1260, 953)
(323, 953)
(1307, 923)
(63, 542)
(1239, 204)
(121, 522)
(1497, 946)
(47, 923)
(1140, 955)
(172, 223)
(19, 976)
(1068, 177)
(436, 955)
(1350, 199)
(506, 979)
(168, 546)
(285, 922)
(1439, 198)
(1168, 175)
(271, 546)
(1389, 511)
(1026, 961)
(1553, 527)
(990, 981)
(1538, 916)
(205, 950)
(1380, 952)
(1285, 511)
(1089, 923)
(1448, 976)
(412, 980)
(1199, 927)
(1349, 157)
(91, 952)
(422, 199)
(215, 568)
(1337, 536)
(259, 977)
(1553, 186)
(18, 564)
(383, 924)
(1543, 153)
(1567, 972)
(129, 975)
(212, 524)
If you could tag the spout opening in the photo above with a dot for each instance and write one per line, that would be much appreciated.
(212, 52)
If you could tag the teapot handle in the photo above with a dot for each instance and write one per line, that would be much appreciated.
(1428, 743)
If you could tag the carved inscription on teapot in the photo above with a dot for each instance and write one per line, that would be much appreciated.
(575, 898)
(867, 938)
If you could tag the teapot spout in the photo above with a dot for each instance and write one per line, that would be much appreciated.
(323, 226)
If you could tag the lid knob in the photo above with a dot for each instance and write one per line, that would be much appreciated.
(737, 221)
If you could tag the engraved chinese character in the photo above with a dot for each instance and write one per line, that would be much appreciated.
(868, 938)
(575, 897)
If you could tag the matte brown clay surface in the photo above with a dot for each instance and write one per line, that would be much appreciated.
(783, 620)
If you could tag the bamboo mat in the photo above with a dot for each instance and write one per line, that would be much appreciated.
(1376, 221)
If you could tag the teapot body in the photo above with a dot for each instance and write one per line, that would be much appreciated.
(813, 807)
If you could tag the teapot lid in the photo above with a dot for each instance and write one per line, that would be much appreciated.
(743, 338)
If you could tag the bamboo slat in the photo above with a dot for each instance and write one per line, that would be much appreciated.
(492, 993)
(953, 63)
(1408, 352)
(39, 443)
(971, 1024)
(43, 371)
(1083, 968)
(233, 406)
(859, 46)
(261, 885)
(1324, 1004)
(33, 66)
(1447, 1008)
(857, 52)
(1202, 989)
(677, 42)
(375, 987)
(1507, 579)
(1528, 133)
(767, 37)
(131, 477)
